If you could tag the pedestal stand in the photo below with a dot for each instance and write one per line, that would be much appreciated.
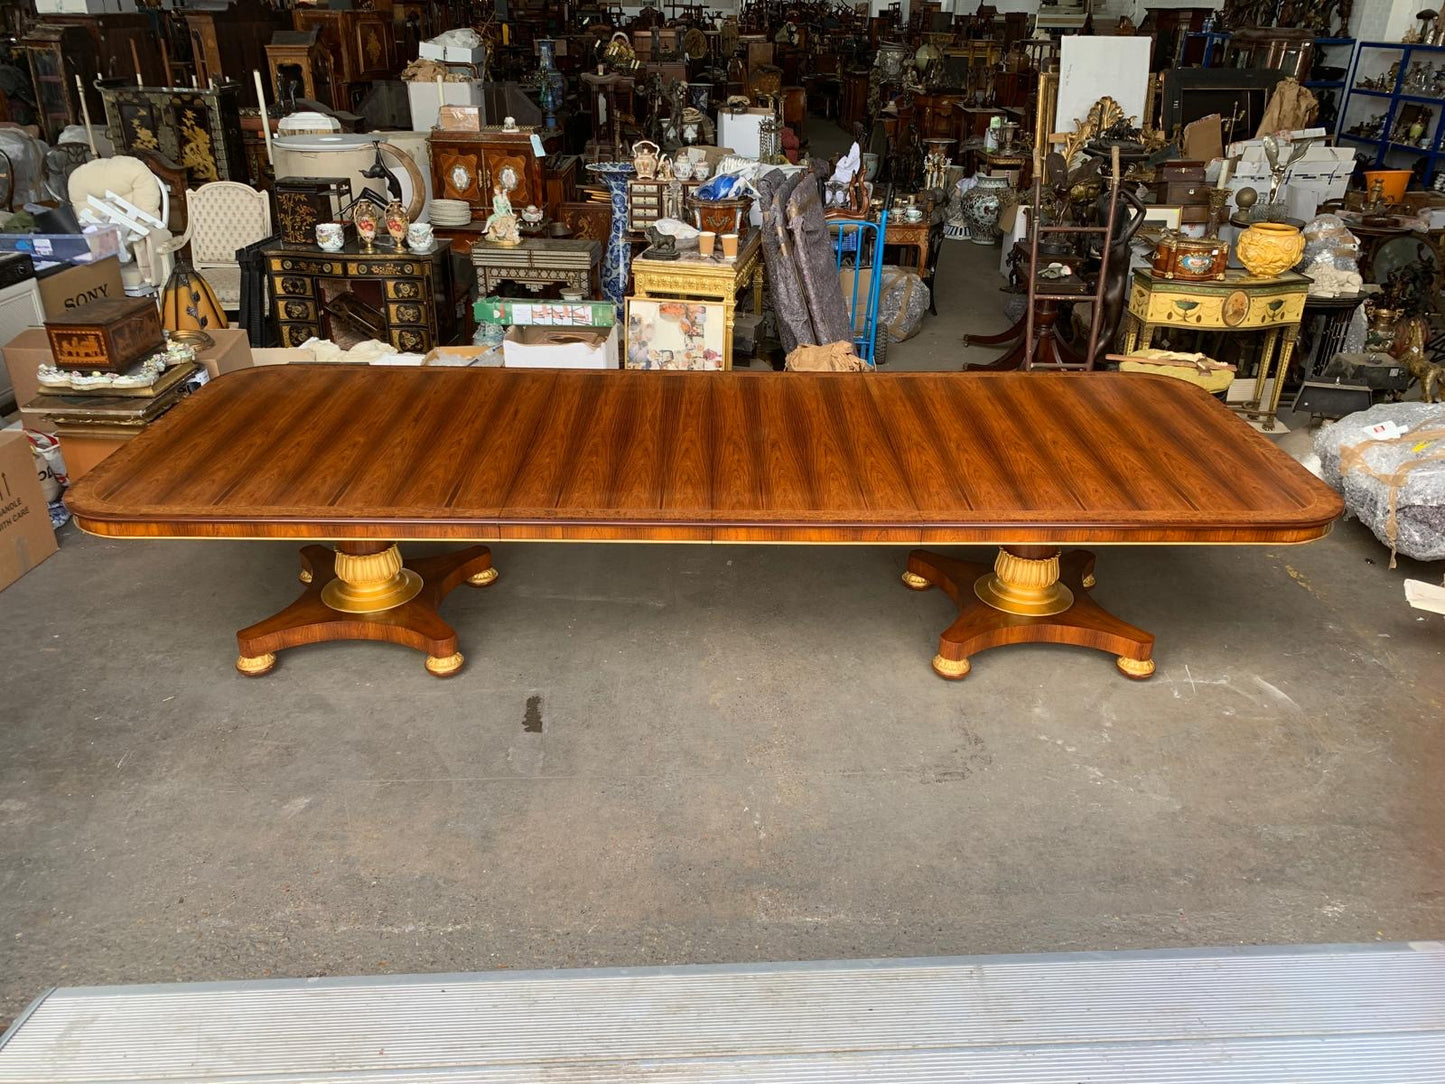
(1032, 595)
(365, 591)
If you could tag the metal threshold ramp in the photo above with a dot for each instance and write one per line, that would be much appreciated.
(1340, 1014)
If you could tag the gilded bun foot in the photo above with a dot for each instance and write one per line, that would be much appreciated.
(1089, 581)
(1136, 669)
(444, 665)
(914, 582)
(952, 669)
(304, 575)
(256, 665)
(483, 578)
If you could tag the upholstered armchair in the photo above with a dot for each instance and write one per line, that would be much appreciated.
(121, 191)
(221, 217)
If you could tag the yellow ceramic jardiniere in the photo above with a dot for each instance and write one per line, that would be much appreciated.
(1268, 248)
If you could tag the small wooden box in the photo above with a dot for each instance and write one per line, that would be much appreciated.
(1190, 259)
(106, 336)
(1182, 171)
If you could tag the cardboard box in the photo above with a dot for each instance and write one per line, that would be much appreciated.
(26, 537)
(281, 355)
(455, 356)
(231, 352)
(23, 355)
(83, 453)
(80, 284)
(502, 310)
(560, 348)
(422, 97)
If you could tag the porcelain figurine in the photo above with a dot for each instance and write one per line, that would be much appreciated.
(501, 226)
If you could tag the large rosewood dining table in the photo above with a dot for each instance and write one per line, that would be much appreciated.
(365, 458)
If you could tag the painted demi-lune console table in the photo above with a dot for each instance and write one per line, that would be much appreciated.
(365, 457)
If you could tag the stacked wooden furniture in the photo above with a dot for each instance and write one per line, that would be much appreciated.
(361, 46)
(113, 46)
(300, 57)
(231, 44)
(369, 455)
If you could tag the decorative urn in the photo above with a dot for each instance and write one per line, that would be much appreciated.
(1269, 248)
(982, 205)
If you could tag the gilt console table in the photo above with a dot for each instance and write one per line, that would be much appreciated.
(538, 262)
(697, 277)
(366, 456)
(1238, 302)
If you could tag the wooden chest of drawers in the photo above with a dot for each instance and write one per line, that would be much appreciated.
(409, 294)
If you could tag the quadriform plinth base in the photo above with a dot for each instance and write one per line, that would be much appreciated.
(1033, 594)
(366, 591)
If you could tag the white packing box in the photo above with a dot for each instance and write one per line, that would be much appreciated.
(452, 54)
(1322, 174)
(560, 348)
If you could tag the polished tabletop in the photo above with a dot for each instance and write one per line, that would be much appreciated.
(351, 452)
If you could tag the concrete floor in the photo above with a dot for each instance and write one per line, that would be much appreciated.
(663, 754)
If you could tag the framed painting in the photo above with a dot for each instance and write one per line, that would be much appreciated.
(667, 334)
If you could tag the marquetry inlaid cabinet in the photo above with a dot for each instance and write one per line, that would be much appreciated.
(465, 165)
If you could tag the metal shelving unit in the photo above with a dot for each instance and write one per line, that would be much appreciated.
(1382, 150)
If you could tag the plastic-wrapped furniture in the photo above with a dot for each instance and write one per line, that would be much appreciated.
(222, 217)
(123, 192)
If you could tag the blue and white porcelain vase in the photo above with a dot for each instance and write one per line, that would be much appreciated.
(551, 84)
(982, 205)
(617, 260)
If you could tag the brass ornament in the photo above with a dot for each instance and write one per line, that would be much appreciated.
(1135, 668)
(256, 665)
(1025, 586)
(953, 669)
(444, 665)
(914, 582)
(370, 583)
(483, 578)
